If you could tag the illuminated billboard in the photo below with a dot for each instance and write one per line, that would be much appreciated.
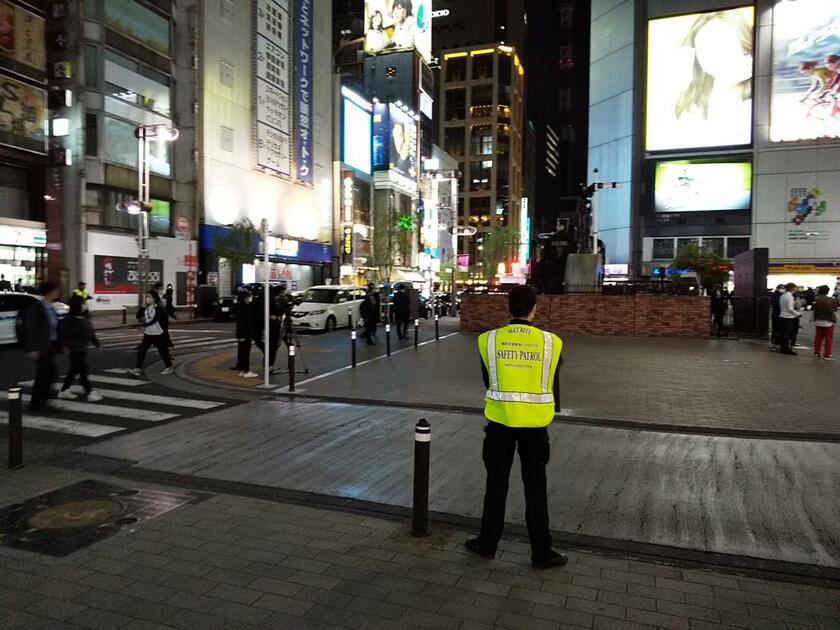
(394, 139)
(805, 104)
(357, 130)
(699, 80)
(399, 25)
(696, 185)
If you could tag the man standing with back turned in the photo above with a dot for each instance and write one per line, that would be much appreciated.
(520, 367)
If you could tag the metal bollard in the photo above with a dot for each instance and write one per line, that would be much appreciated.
(388, 339)
(292, 368)
(125, 310)
(353, 345)
(416, 332)
(350, 318)
(15, 428)
(420, 510)
(437, 326)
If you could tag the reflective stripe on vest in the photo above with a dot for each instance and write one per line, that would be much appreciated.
(493, 393)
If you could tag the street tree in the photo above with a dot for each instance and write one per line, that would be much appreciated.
(237, 247)
(711, 268)
(500, 244)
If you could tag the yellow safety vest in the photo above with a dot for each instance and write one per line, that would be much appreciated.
(520, 361)
(83, 294)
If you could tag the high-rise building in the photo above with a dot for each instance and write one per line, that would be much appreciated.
(481, 124)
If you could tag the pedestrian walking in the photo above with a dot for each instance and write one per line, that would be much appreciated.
(150, 316)
(244, 335)
(164, 313)
(76, 334)
(718, 307)
(402, 311)
(800, 303)
(824, 319)
(775, 309)
(169, 301)
(369, 310)
(5, 285)
(788, 317)
(40, 334)
(520, 367)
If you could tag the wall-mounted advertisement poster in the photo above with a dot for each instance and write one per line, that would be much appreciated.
(22, 112)
(805, 104)
(696, 186)
(21, 41)
(399, 25)
(118, 275)
(699, 80)
(356, 131)
(394, 140)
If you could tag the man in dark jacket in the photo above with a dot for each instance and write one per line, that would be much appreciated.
(245, 334)
(369, 310)
(40, 336)
(402, 311)
(164, 314)
(775, 309)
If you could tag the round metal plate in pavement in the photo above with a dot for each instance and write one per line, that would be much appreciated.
(76, 514)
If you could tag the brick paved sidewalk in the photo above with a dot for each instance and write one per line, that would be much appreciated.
(235, 562)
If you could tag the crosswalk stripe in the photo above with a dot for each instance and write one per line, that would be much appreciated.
(60, 425)
(109, 410)
(106, 380)
(179, 342)
(117, 394)
(132, 342)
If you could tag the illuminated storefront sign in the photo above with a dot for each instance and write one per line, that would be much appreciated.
(347, 241)
(700, 76)
(524, 232)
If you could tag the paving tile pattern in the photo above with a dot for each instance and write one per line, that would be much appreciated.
(235, 562)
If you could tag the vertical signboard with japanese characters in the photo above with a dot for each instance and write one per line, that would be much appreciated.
(304, 24)
(272, 86)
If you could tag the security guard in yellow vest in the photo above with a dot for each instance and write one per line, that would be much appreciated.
(520, 366)
(82, 292)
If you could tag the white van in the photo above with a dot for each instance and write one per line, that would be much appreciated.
(326, 307)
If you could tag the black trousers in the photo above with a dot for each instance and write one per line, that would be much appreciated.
(718, 318)
(159, 342)
(370, 330)
(500, 444)
(273, 342)
(46, 372)
(402, 326)
(78, 367)
(774, 331)
(785, 332)
(243, 355)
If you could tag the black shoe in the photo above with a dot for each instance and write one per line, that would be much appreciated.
(475, 546)
(554, 560)
(788, 352)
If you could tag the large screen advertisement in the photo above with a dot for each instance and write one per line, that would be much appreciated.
(356, 135)
(394, 140)
(699, 80)
(696, 185)
(806, 70)
(398, 25)
(117, 275)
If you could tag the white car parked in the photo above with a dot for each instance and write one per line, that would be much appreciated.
(12, 307)
(326, 307)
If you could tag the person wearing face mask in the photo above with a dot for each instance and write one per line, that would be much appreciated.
(245, 335)
(150, 316)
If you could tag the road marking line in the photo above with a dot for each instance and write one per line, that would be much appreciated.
(127, 344)
(108, 380)
(118, 394)
(108, 410)
(358, 365)
(60, 425)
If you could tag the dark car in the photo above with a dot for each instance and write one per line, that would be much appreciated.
(224, 308)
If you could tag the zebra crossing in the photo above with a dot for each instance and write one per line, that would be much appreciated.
(186, 339)
(126, 405)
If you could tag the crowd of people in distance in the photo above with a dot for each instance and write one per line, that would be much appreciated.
(788, 305)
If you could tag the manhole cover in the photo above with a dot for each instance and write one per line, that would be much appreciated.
(76, 514)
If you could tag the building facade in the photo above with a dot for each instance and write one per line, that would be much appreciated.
(710, 114)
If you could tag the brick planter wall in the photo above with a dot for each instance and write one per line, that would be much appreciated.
(594, 315)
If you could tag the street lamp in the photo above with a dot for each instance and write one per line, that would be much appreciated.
(142, 205)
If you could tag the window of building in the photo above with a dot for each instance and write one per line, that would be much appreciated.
(482, 66)
(226, 73)
(482, 95)
(503, 142)
(567, 15)
(714, 244)
(121, 147)
(160, 217)
(480, 175)
(481, 140)
(505, 64)
(737, 245)
(453, 141)
(106, 200)
(137, 83)
(682, 242)
(91, 67)
(663, 249)
(91, 135)
(131, 18)
(226, 139)
(456, 69)
(14, 193)
(456, 104)
(228, 11)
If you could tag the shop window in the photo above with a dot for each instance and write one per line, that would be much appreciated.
(91, 67)
(131, 18)
(456, 69)
(91, 135)
(736, 245)
(482, 66)
(481, 140)
(714, 244)
(456, 104)
(663, 249)
(453, 141)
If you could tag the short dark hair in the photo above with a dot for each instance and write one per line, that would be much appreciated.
(47, 287)
(790, 286)
(823, 290)
(521, 300)
(76, 303)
